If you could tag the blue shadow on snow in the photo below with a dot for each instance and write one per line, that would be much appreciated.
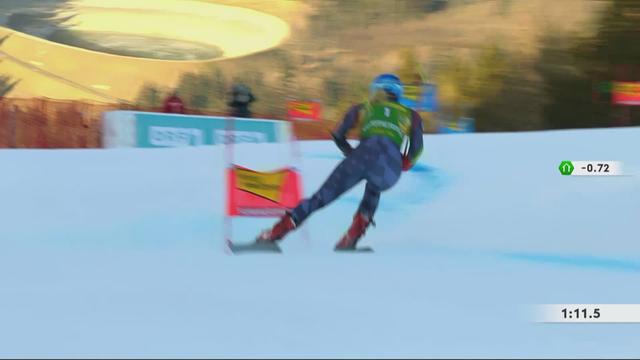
(576, 260)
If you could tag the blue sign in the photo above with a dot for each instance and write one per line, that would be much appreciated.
(142, 129)
(463, 125)
(429, 98)
(422, 97)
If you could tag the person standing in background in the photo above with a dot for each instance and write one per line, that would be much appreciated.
(173, 104)
(241, 98)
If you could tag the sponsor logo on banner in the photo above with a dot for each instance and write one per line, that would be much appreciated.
(235, 136)
(266, 185)
(253, 193)
(170, 130)
(626, 93)
(175, 136)
(303, 110)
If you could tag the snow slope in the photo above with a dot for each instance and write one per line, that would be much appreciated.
(119, 253)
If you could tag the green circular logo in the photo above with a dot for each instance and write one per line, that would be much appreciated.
(566, 167)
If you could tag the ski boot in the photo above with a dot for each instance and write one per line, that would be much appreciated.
(278, 231)
(358, 227)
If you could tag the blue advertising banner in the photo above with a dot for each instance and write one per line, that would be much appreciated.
(423, 97)
(142, 129)
(462, 125)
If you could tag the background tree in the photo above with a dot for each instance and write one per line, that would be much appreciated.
(411, 70)
(573, 70)
(150, 96)
(7, 84)
(465, 83)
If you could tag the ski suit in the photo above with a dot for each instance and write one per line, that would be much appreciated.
(377, 158)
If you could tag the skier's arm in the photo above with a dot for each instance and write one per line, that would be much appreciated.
(348, 122)
(415, 141)
(340, 133)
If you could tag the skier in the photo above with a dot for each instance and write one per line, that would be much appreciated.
(377, 159)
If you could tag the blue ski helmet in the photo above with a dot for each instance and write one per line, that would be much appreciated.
(389, 83)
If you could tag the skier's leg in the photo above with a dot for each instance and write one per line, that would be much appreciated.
(370, 200)
(345, 176)
(362, 219)
(381, 174)
(385, 170)
(380, 177)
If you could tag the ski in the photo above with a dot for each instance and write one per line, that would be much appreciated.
(274, 248)
(364, 249)
(254, 247)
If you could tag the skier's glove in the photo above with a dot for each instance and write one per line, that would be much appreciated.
(406, 163)
(342, 144)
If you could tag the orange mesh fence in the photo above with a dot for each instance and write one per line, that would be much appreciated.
(48, 123)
